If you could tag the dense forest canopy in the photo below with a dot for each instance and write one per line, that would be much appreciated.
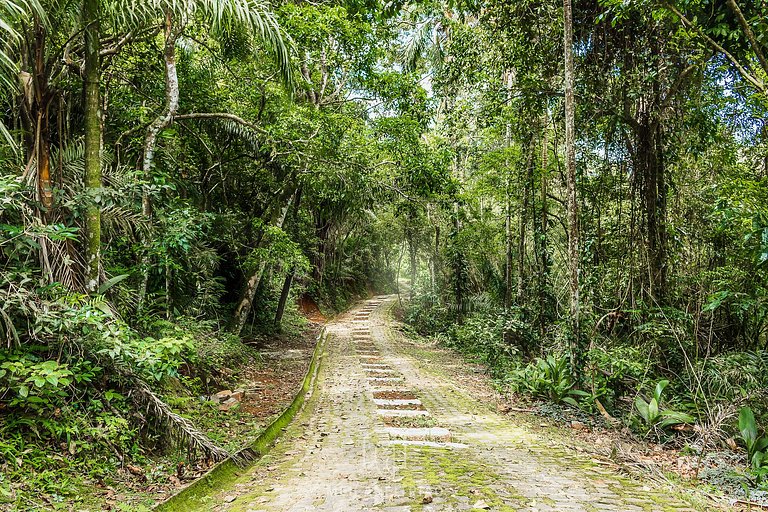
(577, 193)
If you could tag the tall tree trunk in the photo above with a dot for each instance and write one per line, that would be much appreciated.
(508, 256)
(243, 309)
(413, 260)
(649, 161)
(434, 253)
(508, 252)
(323, 229)
(458, 263)
(41, 98)
(92, 144)
(165, 119)
(527, 181)
(540, 236)
(572, 204)
(160, 123)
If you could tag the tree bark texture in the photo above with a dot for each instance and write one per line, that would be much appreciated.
(572, 203)
(92, 145)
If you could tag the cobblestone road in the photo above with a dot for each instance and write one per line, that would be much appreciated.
(390, 430)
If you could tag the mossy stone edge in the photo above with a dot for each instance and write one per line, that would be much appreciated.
(191, 497)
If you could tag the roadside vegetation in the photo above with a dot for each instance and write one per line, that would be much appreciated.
(575, 190)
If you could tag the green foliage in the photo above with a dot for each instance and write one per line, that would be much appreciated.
(731, 375)
(756, 445)
(655, 416)
(37, 385)
(486, 338)
(613, 370)
(152, 358)
(549, 378)
(427, 315)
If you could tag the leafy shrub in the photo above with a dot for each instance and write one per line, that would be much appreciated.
(614, 370)
(731, 374)
(483, 337)
(427, 314)
(210, 349)
(654, 416)
(670, 332)
(548, 378)
(37, 384)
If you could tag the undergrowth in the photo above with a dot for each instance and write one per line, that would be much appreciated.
(647, 375)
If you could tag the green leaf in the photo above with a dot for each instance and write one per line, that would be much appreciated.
(111, 282)
(570, 401)
(24, 391)
(642, 408)
(675, 418)
(653, 410)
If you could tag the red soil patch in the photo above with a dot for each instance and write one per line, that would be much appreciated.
(309, 309)
(271, 386)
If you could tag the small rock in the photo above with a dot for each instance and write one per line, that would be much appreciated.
(238, 394)
(427, 498)
(229, 498)
(228, 404)
(577, 425)
(221, 396)
(481, 505)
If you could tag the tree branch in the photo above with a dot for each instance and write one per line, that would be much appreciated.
(750, 35)
(758, 84)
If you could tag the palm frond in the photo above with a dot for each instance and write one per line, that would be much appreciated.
(15, 15)
(118, 219)
(416, 46)
(255, 16)
(178, 428)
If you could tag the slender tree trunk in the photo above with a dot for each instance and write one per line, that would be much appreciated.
(527, 182)
(572, 204)
(413, 260)
(243, 309)
(160, 123)
(165, 119)
(41, 98)
(508, 253)
(541, 234)
(433, 257)
(459, 270)
(508, 256)
(92, 144)
(284, 293)
(649, 168)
